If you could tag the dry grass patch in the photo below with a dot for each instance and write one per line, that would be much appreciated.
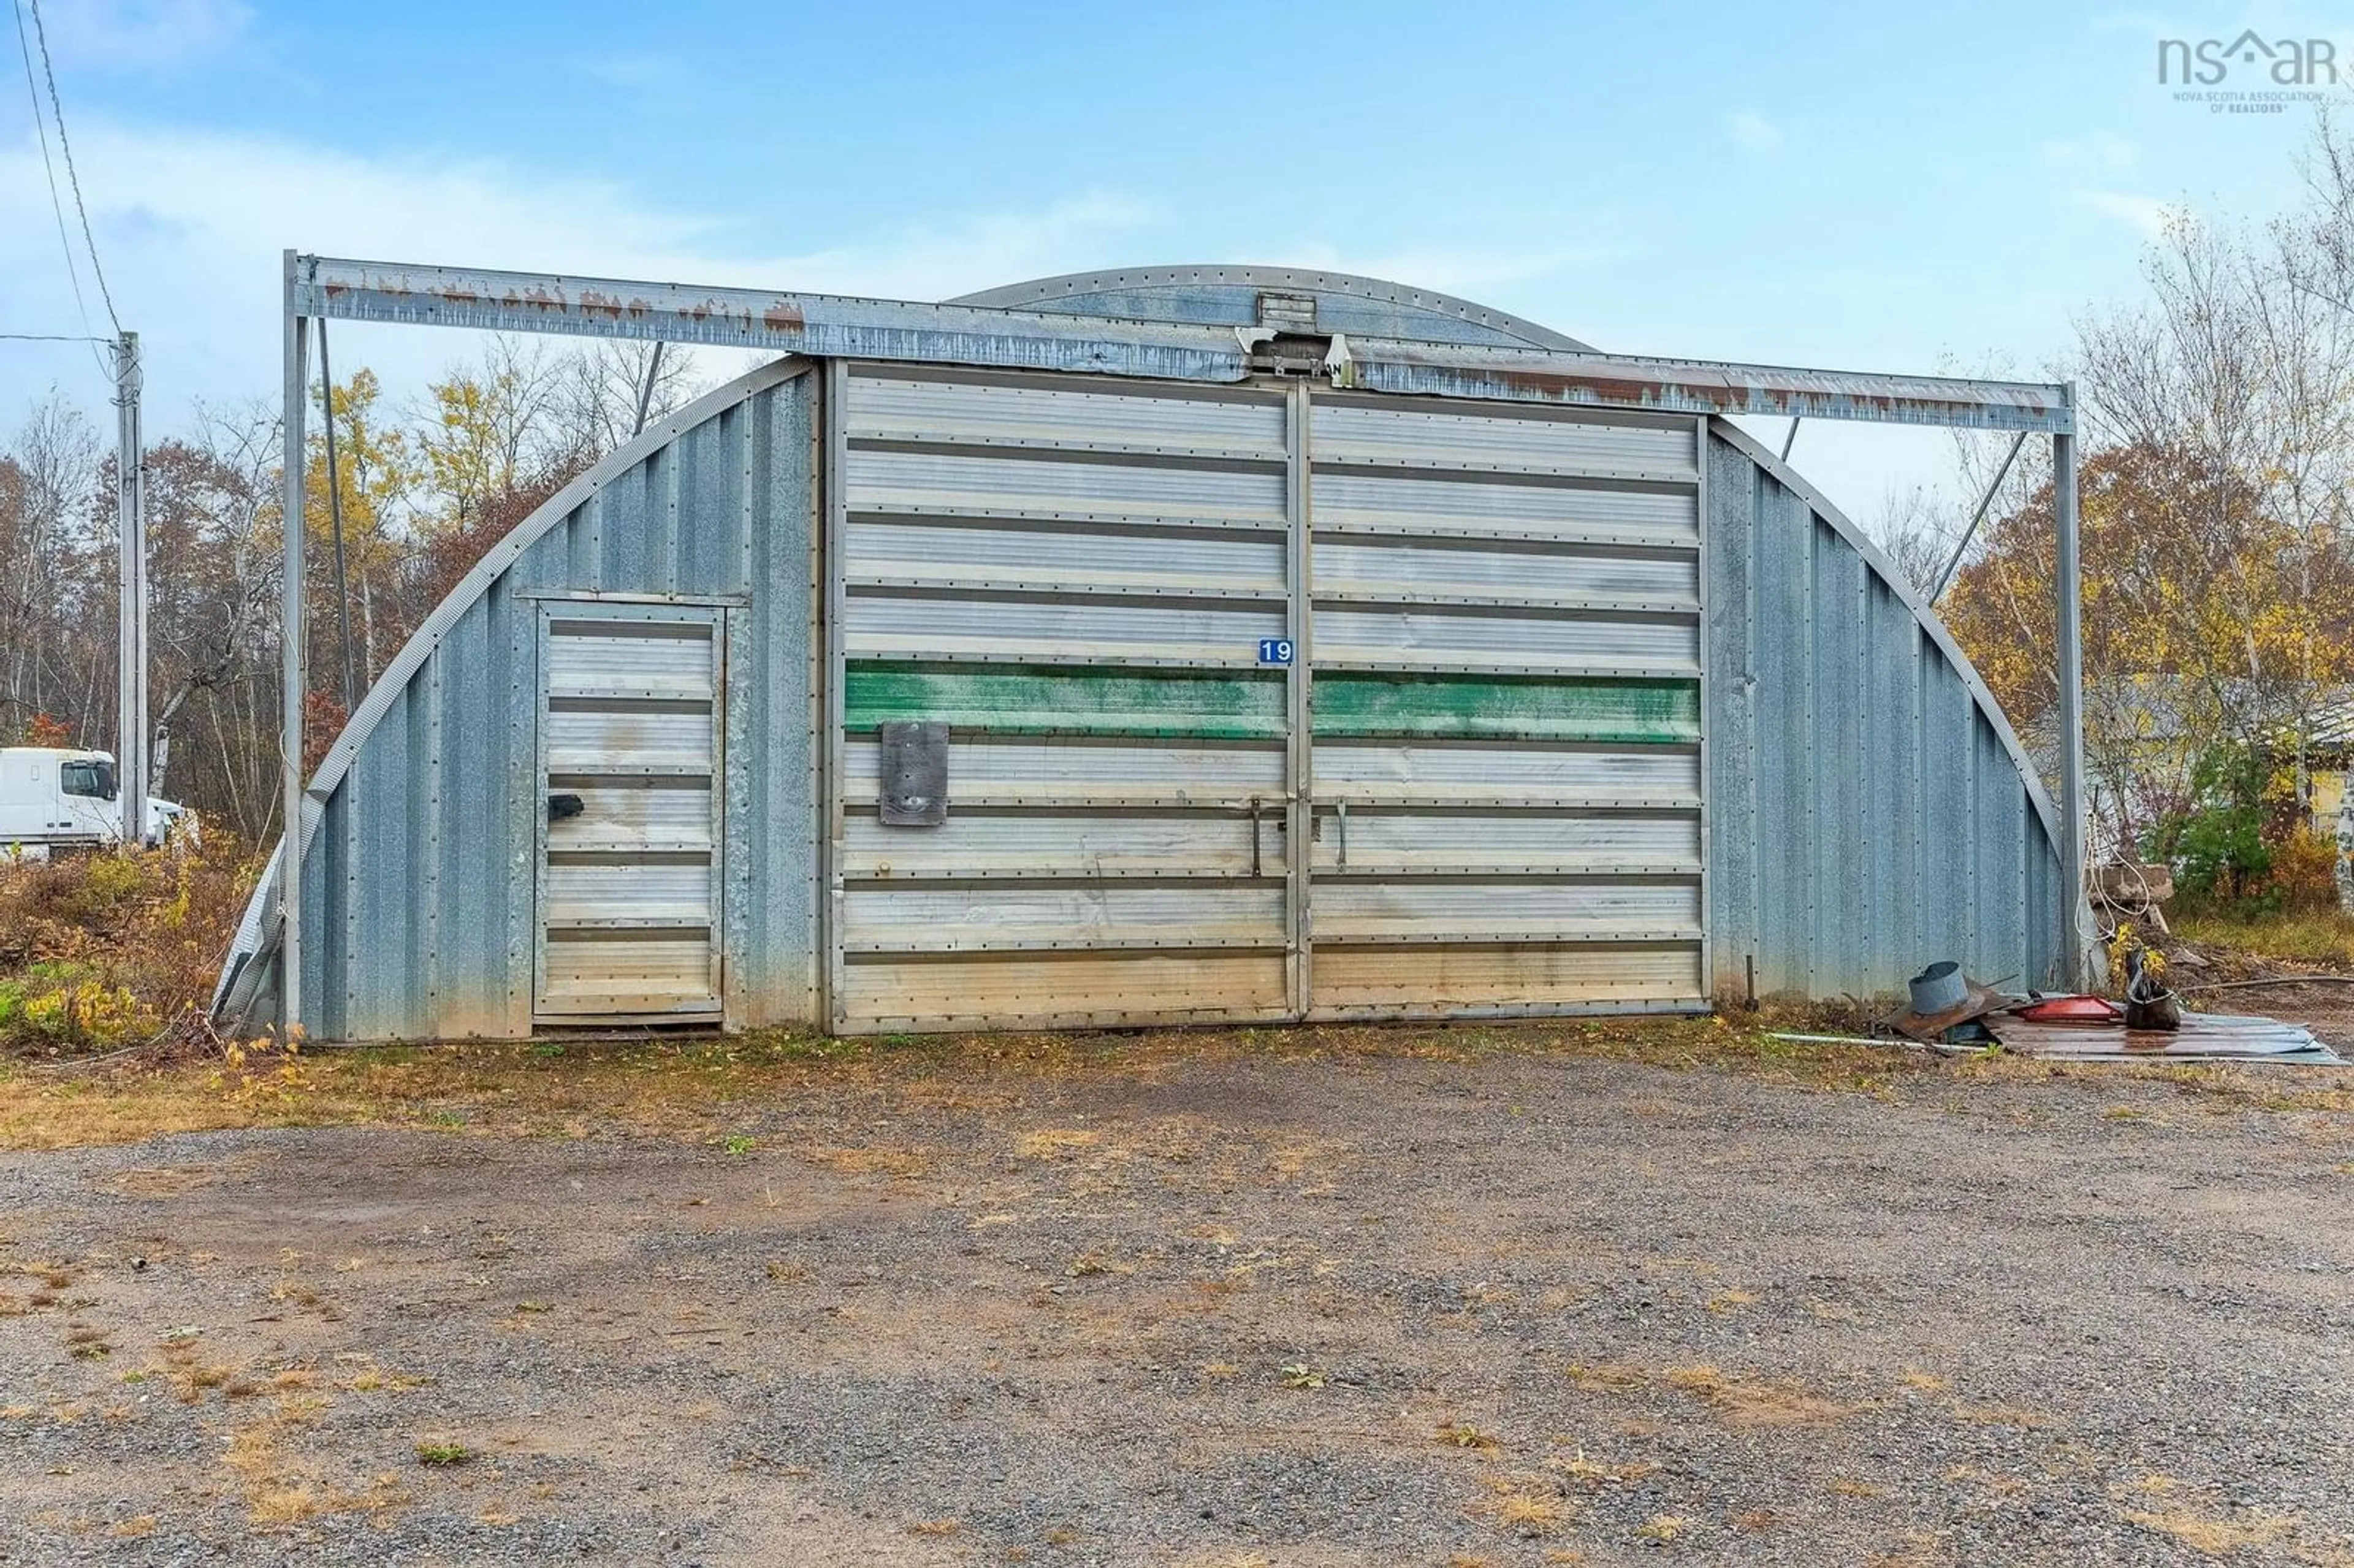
(1757, 1402)
(1056, 1143)
(2217, 1536)
(1526, 1505)
(189, 1375)
(1608, 1377)
(1739, 1401)
(280, 1484)
(695, 1088)
(2003, 1485)
(147, 1182)
(868, 1161)
(936, 1527)
(1663, 1528)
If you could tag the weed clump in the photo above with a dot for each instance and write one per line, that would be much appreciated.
(98, 951)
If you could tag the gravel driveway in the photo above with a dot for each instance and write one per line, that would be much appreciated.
(1529, 1307)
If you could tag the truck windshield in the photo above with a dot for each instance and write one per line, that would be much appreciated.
(95, 779)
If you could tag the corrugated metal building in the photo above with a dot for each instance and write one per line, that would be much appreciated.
(1259, 702)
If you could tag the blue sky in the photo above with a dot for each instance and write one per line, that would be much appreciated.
(1882, 187)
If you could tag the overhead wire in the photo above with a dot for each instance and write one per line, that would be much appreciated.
(73, 175)
(56, 203)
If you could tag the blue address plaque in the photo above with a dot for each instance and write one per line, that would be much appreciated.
(1275, 650)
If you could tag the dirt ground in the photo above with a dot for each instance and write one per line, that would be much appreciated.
(1203, 1307)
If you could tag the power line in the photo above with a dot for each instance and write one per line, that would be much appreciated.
(73, 178)
(57, 204)
(49, 337)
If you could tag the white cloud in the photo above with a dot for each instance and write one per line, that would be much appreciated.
(2149, 215)
(1756, 135)
(191, 223)
(2095, 151)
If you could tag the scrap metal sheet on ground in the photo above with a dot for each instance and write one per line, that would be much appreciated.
(2203, 1037)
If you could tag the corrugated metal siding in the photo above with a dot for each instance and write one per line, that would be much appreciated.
(1870, 813)
(419, 873)
(1504, 822)
(1520, 737)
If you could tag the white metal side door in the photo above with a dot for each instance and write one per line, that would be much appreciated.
(629, 737)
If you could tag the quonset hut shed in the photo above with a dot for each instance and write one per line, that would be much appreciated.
(870, 696)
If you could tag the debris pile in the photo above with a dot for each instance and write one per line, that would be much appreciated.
(1950, 1010)
(1954, 1014)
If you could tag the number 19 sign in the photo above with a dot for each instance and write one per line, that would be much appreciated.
(1275, 650)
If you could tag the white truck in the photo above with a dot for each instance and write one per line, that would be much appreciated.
(51, 798)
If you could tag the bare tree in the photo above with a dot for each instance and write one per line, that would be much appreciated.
(606, 390)
(55, 466)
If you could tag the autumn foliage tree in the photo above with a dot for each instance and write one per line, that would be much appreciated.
(2218, 583)
(422, 488)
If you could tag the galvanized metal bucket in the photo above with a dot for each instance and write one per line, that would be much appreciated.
(1939, 988)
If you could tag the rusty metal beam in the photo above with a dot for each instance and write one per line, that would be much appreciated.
(839, 327)
(1705, 386)
(818, 326)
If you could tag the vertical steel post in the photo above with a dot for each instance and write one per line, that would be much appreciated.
(2075, 818)
(131, 526)
(294, 676)
(1299, 820)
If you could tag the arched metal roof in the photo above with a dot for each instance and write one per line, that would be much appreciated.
(1209, 293)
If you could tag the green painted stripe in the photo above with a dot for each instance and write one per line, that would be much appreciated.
(1041, 699)
(1507, 707)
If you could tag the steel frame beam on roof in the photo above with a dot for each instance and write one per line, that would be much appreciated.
(832, 326)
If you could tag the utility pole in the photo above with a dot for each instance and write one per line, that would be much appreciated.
(130, 524)
(296, 675)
